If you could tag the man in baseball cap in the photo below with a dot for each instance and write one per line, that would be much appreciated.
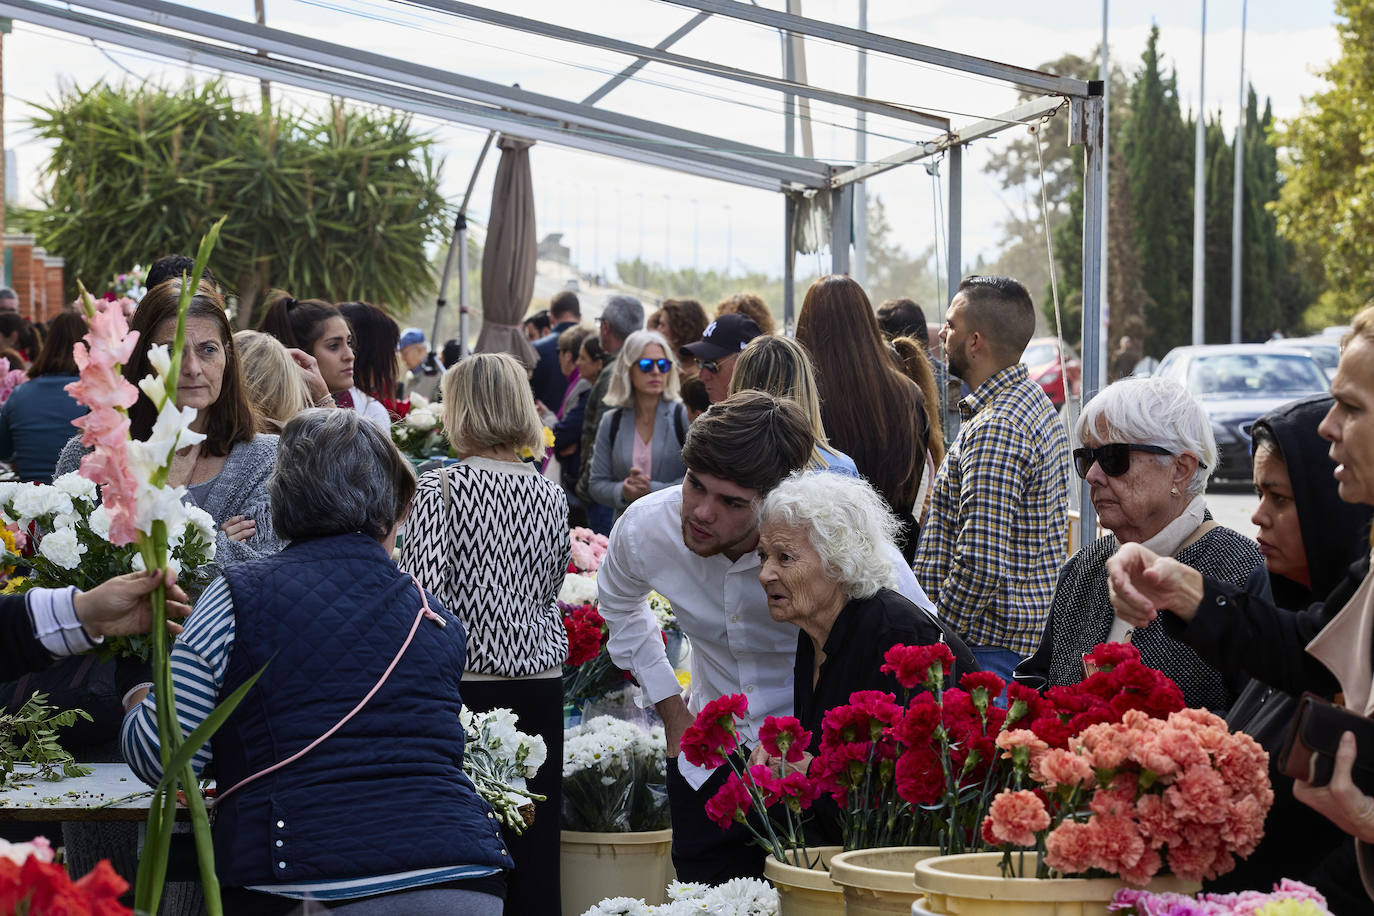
(719, 347)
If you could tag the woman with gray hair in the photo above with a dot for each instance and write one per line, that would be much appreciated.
(489, 536)
(1147, 452)
(349, 648)
(826, 543)
(639, 442)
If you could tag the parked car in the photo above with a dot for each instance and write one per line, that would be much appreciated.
(1235, 384)
(1325, 349)
(1041, 360)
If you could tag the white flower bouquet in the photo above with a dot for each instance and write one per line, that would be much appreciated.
(614, 777)
(417, 427)
(67, 535)
(499, 759)
(737, 897)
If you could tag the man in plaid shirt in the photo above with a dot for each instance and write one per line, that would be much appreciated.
(995, 539)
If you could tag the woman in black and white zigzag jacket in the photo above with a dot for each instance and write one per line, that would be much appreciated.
(489, 538)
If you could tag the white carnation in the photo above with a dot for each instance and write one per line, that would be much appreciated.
(418, 401)
(422, 419)
(536, 753)
(62, 547)
(76, 486)
(578, 590)
(34, 502)
(100, 523)
(67, 520)
(202, 521)
(172, 563)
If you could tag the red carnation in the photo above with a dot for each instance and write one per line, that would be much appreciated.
(1107, 655)
(914, 666)
(920, 777)
(982, 680)
(783, 736)
(919, 721)
(1052, 731)
(712, 737)
(799, 790)
(730, 804)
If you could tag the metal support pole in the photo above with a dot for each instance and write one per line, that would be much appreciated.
(1238, 189)
(1088, 128)
(954, 238)
(860, 269)
(1105, 324)
(841, 227)
(1200, 195)
(789, 263)
(460, 245)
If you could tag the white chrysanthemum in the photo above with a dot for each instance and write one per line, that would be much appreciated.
(100, 523)
(62, 547)
(34, 502)
(620, 906)
(76, 486)
(743, 897)
(578, 590)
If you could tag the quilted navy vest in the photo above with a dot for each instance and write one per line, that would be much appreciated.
(384, 794)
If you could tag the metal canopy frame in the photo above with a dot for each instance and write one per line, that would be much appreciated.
(253, 50)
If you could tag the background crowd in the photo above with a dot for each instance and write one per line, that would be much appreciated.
(803, 502)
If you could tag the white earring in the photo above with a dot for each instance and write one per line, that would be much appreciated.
(1174, 491)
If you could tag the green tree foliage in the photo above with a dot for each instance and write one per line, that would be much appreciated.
(338, 205)
(894, 273)
(1324, 206)
(1157, 148)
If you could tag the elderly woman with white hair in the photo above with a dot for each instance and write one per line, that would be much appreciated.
(1147, 452)
(639, 442)
(825, 548)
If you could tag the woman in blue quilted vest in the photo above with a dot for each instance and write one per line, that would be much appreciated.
(328, 790)
(489, 536)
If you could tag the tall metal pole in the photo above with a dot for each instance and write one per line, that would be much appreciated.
(954, 236)
(1200, 192)
(460, 243)
(260, 14)
(1087, 127)
(789, 262)
(859, 269)
(1105, 75)
(1238, 188)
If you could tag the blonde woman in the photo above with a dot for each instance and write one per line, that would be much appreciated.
(489, 537)
(781, 367)
(271, 379)
(639, 442)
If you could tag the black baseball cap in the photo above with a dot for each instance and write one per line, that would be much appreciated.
(727, 335)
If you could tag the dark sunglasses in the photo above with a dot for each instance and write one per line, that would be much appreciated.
(1113, 459)
(710, 365)
(647, 365)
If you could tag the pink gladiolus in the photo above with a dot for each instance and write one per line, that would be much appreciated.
(107, 345)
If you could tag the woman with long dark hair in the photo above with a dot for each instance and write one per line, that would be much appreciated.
(871, 410)
(376, 340)
(36, 421)
(319, 329)
(227, 473)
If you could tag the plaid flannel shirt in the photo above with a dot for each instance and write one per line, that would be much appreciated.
(996, 537)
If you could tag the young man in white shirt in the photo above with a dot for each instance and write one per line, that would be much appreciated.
(695, 544)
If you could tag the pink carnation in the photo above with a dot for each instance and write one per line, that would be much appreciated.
(1014, 818)
(1064, 768)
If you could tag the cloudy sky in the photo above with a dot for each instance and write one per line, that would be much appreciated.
(609, 209)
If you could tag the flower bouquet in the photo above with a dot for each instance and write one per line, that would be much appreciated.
(66, 533)
(32, 883)
(614, 777)
(712, 741)
(499, 759)
(417, 427)
(143, 508)
(736, 897)
(1136, 797)
(1288, 898)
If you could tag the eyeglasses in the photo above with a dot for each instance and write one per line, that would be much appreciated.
(1113, 459)
(647, 365)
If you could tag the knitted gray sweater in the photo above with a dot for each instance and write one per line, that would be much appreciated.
(239, 489)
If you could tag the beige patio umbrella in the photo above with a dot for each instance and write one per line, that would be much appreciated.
(509, 255)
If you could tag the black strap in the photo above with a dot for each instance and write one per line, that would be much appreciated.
(615, 423)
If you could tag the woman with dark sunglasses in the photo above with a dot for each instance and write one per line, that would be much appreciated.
(1146, 451)
(639, 442)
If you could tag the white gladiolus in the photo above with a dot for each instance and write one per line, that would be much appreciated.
(171, 432)
(154, 388)
(160, 358)
(172, 563)
(62, 547)
(160, 504)
(76, 486)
